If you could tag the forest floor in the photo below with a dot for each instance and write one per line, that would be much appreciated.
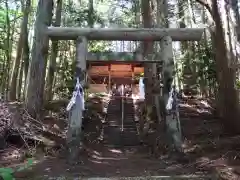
(207, 149)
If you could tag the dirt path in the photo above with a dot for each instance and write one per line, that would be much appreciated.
(203, 154)
(112, 162)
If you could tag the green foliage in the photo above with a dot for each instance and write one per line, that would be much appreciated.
(238, 84)
(206, 63)
(7, 173)
(2, 17)
(9, 17)
(199, 66)
(137, 77)
(75, 15)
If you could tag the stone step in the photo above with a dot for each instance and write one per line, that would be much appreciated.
(113, 134)
(120, 125)
(118, 129)
(119, 122)
(121, 143)
(129, 126)
(129, 117)
(115, 117)
(118, 114)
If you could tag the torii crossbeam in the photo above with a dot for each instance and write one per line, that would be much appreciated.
(125, 34)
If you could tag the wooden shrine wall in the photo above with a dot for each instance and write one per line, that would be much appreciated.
(116, 70)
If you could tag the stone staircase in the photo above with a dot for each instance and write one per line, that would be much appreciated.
(118, 131)
(119, 158)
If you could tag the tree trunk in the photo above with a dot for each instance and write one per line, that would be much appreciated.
(147, 48)
(194, 70)
(34, 97)
(16, 65)
(7, 52)
(234, 6)
(228, 97)
(185, 46)
(15, 70)
(25, 55)
(20, 80)
(162, 22)
(54, 53)
(90, 14)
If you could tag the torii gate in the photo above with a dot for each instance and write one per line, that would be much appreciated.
(165, 36)
(82, 35)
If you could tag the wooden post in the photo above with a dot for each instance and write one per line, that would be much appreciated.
(76, 112)
(157, 92)
(168, 65)
(168, 73)
(132, 81)
(81, 53)
(109, 78)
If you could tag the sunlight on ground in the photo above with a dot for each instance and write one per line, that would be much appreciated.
(96, 152)
(107, 158)
(186, 105)
(204, 107)
(116, 151)
(11, 154)
(220, 164)
(99, 162)
(203, 111)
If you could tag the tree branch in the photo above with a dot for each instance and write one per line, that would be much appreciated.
(206, 5)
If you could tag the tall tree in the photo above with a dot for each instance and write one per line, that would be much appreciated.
(7, 47)
(21, 44)
(234, 6)
(90, 14)
(34, 96)
(147, 49)
(228, 100)
(26, 53)
(54, 53)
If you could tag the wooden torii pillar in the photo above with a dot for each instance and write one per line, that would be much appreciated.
(165, 36)
(76, 110)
